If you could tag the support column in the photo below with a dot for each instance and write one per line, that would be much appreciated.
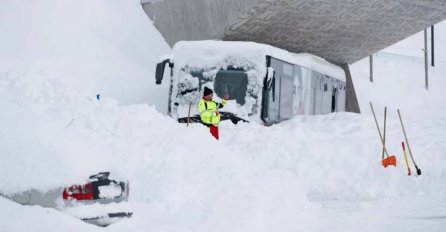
(432, 45)
(371, 68)
(351, 102)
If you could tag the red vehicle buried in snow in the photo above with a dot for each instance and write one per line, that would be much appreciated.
(100, 201)
(99, 188)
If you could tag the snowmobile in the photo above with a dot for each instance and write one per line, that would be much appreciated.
(100, 201)
(99, 188)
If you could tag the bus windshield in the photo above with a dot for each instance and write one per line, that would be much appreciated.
(231, 82)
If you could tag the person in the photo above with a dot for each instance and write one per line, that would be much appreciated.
(208, 110)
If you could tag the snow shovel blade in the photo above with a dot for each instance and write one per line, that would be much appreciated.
(391, 160)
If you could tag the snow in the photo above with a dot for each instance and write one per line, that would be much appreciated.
(401, 82)
(15, 217)
(110, 191)
(212, 53)
(107, 47)
(310, 169)
(312, 173)
(414, 45)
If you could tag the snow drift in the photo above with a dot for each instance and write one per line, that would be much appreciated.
(107, 47)
(296, 172)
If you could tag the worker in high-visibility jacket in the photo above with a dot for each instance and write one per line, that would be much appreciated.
(208, 110)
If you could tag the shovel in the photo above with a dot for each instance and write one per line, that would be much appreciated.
(389, 160)
(408, 146)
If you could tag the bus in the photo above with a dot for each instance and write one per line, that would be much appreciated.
(265, 84)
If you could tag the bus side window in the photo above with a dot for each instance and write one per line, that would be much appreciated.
(272, 85)
(333, 100)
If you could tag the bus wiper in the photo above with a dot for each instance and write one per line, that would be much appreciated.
(223, 116)
(187, 91)
(227, 115)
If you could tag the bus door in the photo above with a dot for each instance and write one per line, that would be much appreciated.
(280, 99)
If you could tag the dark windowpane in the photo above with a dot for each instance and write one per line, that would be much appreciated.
(232, 83)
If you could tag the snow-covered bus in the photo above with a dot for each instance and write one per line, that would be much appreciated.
(265, 84)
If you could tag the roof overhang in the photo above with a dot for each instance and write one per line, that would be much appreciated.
(340, 31)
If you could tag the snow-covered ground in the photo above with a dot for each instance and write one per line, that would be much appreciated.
(318, 173)
(311, 173)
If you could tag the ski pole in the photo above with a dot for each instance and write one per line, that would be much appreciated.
(408, 146)
(405, 158)
(379, 131)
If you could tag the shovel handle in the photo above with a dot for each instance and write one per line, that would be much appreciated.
(379, 131)
(405, 158)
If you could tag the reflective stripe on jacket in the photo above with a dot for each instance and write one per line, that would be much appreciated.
(208, 111)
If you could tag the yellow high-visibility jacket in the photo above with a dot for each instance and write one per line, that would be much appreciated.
(208, 111)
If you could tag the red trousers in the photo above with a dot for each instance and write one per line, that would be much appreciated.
(214, 131)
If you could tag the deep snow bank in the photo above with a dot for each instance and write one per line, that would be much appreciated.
(108, 47)
(183, 180)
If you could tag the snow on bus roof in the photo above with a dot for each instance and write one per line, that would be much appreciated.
(206, 52)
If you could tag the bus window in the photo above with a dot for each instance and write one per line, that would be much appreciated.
(286, 92)
(232, 83)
